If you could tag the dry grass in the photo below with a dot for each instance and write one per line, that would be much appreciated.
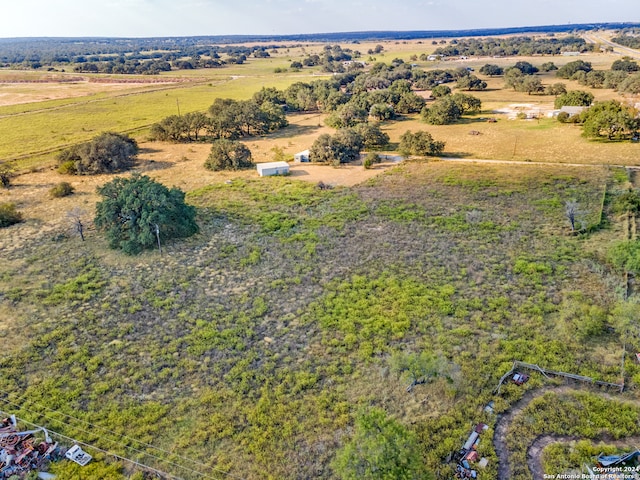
(543, 140)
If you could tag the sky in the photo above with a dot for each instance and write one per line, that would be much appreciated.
(159, 18)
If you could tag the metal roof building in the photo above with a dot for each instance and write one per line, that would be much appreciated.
(272, 168)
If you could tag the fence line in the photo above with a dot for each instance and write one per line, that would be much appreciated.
(555, 373)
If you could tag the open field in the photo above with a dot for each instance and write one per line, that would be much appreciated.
(252, 350)
(84, 118)
(252, 347)
(542, 140)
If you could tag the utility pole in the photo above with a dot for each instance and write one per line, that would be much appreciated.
(157, 230)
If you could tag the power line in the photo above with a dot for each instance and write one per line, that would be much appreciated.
(162, 460)
(119, 435)
(169, 462)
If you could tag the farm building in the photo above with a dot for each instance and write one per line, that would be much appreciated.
(571, 110)
(301, 157)
(272, 168)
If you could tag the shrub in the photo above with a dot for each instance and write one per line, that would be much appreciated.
(5, 178)
(371, 159)
(62, 189)
(628, 202)
(9, 215)
(381, 447)
(625, 256)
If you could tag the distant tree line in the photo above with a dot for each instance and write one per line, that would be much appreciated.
(511, 46)
(226, 119)
(623, 76)
(126, 57)
(631, 41)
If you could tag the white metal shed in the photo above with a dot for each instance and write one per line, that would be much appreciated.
(301, 156)
(272, 168)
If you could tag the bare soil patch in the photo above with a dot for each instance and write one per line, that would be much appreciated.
(345, 175)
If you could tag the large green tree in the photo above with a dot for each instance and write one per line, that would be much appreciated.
(630, 84)
(467, 103)
(491, 70)
(372, 136)
(105, 153)
(570, 69)
(137, 213)
(381, 448)
(609, 119)
(228, 155)
(471, 82)
(343, 147)
(576, 98)
(625, 64)
(443, 111)
(420, 143)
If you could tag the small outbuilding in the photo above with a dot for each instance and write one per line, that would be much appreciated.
(272, 168)
(573, 110)
(301, 157)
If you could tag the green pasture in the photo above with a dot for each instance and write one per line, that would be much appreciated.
(80, 120)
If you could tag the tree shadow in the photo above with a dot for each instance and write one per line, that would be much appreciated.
(456, 155)
(471, 121)
(294, 131)
(152, 165)
(148, 150)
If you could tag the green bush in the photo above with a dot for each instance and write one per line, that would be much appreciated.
(380, 448)
(625, 256)
(420, 143)
(62, 189)
(9, 215)
(563, 117)
(371, 159)
(628, 202)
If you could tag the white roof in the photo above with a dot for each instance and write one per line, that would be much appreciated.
(304, 152)
(573, 109)
(265, 166)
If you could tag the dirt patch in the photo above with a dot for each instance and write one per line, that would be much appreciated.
(345, 175)
(19, 93)
(529, 109)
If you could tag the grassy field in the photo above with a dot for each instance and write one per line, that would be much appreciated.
(251, 347)
(37, 127)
